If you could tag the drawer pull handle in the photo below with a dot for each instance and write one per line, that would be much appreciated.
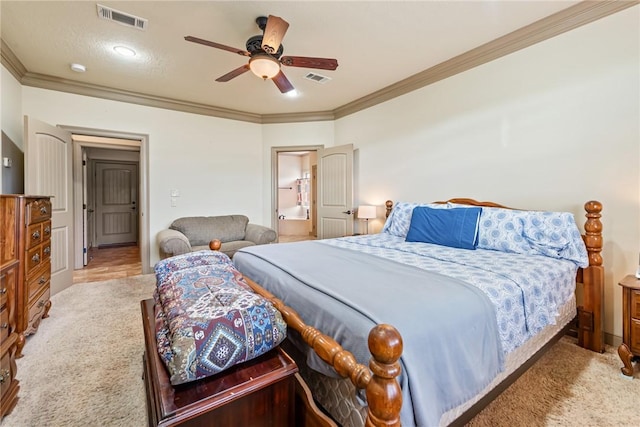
(36, 235)
(41, 303)
(43, 210)
(3, 291)
(47, 230)
(5, 325)
(35, 258)
(47, 250)
(42, 280)
(4, 376)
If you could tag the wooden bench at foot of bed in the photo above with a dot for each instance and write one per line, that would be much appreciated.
(265, 391)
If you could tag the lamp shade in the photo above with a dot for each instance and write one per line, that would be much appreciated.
(264, 66)
(366, 212)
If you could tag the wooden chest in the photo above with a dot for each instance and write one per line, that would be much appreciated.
(260, 392)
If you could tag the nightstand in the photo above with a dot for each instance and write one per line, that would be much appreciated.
(630, 347)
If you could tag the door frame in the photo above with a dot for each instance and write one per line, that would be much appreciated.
(274, 176)
(119, 141)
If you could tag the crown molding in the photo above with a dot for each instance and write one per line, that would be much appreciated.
(63, 85)
(546, 28)
(11, 61)
(316, 116)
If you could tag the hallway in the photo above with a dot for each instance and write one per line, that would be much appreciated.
(110, 263)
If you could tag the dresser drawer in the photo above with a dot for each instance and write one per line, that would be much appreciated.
(635, 304)
(8, 282)
(37, 233)
(634, 339)
(38, 211)
(39, 279)
(37, 256)
(37, 308)
(4, 323)
(5, 374)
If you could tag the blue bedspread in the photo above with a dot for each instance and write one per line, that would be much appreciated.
(452, 346)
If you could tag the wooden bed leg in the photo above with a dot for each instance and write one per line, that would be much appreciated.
(591, 318)
(384, 396)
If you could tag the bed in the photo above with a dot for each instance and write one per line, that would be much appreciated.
(437, 372)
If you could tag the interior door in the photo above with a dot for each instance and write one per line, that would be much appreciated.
(116, 203)
(335, 192)
(85, 210)
(49, 172)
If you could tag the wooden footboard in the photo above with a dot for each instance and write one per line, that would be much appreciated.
(384, 396)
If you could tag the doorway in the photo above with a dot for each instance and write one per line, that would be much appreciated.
(96, 151)
(293, 192)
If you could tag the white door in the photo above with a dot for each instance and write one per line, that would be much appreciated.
(49, 172)
(116, 198)
(335, 192)
(85, 210)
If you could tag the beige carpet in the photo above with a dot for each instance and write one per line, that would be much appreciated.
(84, 368)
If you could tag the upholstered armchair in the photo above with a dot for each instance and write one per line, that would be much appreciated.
(191, 234)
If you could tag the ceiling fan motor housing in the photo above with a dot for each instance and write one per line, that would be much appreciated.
(254, 45)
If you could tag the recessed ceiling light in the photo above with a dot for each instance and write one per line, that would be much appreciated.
(292, 93)
(125, 51)
(78, 68)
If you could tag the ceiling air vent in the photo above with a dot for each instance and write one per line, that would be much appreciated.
(317, 78)
(129, 20)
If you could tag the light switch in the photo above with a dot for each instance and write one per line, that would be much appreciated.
(175, 193)
(7, 162)
(173, 202)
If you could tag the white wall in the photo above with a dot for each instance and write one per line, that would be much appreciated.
(549, 127)
(216, 164)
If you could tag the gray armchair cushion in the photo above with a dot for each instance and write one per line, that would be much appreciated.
(200, 230)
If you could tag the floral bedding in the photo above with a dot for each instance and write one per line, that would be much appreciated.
(207, 318)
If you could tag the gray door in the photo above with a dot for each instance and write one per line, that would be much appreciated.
(116, 203)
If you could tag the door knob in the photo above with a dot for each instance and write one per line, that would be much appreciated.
(348, 212)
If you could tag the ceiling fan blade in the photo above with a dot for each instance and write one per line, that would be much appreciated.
(307, 62)
(235, 73)
(274, 33)
(217, 45)
(282, 82)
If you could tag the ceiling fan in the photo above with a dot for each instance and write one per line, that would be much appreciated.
(265, 53)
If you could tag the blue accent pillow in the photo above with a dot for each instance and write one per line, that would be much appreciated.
(456, 227)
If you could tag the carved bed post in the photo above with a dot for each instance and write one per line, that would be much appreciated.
(384, 396)
(388, 206)
(590, 314)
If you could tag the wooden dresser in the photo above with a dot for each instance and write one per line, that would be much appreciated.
(26, 237)
(9, 272)
(630, 347)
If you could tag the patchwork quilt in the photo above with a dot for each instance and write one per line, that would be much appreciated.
(207, 318)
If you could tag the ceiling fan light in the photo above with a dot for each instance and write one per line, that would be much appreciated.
(264, 66)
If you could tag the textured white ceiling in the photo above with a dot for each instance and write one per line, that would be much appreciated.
(376, 43)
